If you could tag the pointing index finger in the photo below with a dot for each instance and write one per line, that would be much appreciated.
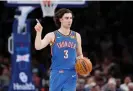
(37, 21)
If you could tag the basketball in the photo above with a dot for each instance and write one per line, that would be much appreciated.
(83, 66)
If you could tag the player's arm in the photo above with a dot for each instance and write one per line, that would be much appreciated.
(42, 43)
(79, 48)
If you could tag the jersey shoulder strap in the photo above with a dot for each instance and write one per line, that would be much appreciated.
(73, 35)
(55, 33)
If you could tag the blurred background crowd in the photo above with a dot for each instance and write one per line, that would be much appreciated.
(107, 39)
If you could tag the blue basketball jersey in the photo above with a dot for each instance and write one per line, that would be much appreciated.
(64, 51)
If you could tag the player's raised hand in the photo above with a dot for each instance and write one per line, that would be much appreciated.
(38, 27)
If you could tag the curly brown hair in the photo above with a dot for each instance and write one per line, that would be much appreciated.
(59, 14)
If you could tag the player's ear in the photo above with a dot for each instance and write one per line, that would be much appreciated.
(60, 19)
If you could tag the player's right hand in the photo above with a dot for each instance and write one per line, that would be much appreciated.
(38, 27)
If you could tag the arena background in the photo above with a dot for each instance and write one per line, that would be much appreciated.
(107, 39)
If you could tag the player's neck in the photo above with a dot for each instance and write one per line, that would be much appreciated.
(64, 31)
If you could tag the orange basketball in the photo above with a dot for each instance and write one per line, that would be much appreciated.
(83, 66)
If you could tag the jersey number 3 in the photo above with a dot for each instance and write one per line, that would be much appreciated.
(65, 54)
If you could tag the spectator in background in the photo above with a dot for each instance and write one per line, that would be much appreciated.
(110, 68)
(80, 84)
(110, 85)
(95, 88)
(1, 63)
(90, 82)
(99, 78)
(130, 86)
(5, 78)
(118, 83)
(37, 81)
(124, 86)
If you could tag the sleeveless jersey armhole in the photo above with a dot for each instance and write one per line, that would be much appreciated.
(76, 37)
(52, 43)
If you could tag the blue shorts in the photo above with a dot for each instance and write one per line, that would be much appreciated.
(63, 80)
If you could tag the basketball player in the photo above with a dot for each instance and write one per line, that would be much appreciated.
(66, 47)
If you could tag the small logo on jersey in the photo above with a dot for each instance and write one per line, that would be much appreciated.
(58, 37)
(61, 71)
(73, 75)
(72, 36)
